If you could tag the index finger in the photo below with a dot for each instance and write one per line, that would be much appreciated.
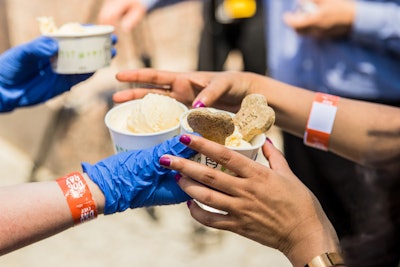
(232, 160)
(147, 75)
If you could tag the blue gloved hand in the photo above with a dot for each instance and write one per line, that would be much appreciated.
(136, 179)
(26, 77)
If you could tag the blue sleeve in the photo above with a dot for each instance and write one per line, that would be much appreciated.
(376, 25)
(155, 4)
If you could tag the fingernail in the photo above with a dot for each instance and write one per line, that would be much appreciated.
(199, 104)
(165, 161)
(269, 141)
(185, 139)
(189, 203)
(177, 177)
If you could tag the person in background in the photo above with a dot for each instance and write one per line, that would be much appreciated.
(124, 14)
(232, 25)
(362, 132)
(222, 33)
(127, 14)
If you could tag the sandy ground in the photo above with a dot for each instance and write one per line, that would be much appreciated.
(165, 236)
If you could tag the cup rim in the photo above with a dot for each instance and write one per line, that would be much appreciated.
(99, 30)
(129, 133)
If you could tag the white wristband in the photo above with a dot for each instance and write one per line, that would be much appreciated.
(320, 121)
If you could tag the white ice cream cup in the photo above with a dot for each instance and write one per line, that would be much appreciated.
(251, 152)
(82, 52)
(125, 140)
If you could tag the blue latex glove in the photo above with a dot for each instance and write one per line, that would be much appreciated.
(26, 77)
(136, 179)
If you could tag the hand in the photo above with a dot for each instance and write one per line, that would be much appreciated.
(223, 90)
(268, 205)
(331, 19)
(135, 179)
(125, 14)
(26, 77)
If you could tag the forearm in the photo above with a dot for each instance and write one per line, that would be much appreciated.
(363, 132)
(366, 133)
(34, 211)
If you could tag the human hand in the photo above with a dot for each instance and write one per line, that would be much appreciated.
(136, 179)
(125, 14)
(223, 90)
(330, 19)
(268, 205)
(27, 78)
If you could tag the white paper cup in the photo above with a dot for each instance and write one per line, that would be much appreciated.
(251, 152)
(125, 140)
(82, 52)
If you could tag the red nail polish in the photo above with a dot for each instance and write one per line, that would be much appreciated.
(189, 203)
(199, 104)
(166, 161)
(177, 177)
(185, 139)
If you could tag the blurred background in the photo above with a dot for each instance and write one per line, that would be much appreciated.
(50, 140)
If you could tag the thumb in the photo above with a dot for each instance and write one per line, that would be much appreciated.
(210, 93)
(41, 47)
(172, 147)
(274, 156)
(168, 192)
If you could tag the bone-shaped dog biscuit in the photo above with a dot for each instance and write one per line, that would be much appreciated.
(254, 117)
(215, 126)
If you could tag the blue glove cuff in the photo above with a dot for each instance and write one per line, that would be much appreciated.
(136, 179)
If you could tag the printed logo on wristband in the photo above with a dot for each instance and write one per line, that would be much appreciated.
(79, 197)
(320, 121)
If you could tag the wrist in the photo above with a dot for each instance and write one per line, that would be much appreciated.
(321, 239)
(79, 197)
(97, 194)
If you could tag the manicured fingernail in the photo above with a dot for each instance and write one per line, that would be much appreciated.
(166, 161)
(269, 141)
(199, 104)
(189, 203)
(185, 139)
(177, 177)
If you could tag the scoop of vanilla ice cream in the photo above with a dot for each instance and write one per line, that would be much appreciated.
(71, 27)
(48, 26)
(154, 113)
(236, 140)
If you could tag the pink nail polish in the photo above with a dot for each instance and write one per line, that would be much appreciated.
(185, 139)
(177, 177)
(199, 104)
(269, 141)
(165, 161)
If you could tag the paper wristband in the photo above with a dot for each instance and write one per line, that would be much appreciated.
(79, 197)
(320, 121)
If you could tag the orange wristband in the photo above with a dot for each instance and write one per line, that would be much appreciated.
(320, 121)
(79, 197)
